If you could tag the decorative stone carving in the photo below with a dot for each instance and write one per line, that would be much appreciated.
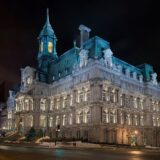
(135, 75)
(127, 72)
(83, 55)
(108, 57)
(154, 78)
(27, 76)
(119, 67)
(141, 78)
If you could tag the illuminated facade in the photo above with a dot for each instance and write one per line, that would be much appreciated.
(90, 93)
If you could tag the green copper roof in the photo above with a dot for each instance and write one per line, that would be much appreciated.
(64, 64)
(47, 29)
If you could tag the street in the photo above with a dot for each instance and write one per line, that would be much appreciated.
(26, 153)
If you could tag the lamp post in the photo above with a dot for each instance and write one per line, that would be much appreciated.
(57, 130)
(136, 134)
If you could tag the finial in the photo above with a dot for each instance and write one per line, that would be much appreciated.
(74, 43)
(47, 15)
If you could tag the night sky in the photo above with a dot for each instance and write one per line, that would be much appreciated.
(131, 27)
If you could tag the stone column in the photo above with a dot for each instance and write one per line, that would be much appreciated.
(36, 113)
(96, 91)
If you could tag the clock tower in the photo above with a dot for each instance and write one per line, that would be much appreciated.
(47, 49)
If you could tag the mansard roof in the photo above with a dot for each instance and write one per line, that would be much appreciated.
(64, 65)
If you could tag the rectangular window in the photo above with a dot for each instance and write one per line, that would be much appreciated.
(123, 100)
(104, 95)
(71, 100)
(51, 105)
(58, 104)
(81, 97)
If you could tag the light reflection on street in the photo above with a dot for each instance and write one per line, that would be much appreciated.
(59, 152)
(136, 152)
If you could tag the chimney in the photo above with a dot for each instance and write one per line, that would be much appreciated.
(84, 34)
(10, 94)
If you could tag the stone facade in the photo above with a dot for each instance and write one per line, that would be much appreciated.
(89, 94)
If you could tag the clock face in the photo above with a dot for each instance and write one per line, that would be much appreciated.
(50, 47)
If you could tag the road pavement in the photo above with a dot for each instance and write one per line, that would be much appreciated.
(34, 153)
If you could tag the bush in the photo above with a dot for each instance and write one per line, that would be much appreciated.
(40, 133)
(31, 134)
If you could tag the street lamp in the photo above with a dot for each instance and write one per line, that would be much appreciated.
(136, 132)
(57, 130)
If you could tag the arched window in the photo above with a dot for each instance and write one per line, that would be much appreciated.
(43, 104)
(71, 119)
(128, 119)
(51, 104)
(142, 120)
(86, 116)
(78, 118)
(27, 104)
(106, 116)
(158, 121)
(154, 120)
(135, 120)
(57, 120)
(64, 120)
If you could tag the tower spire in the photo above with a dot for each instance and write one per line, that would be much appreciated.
(47, 16)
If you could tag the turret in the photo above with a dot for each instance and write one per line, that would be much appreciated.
(47, 48)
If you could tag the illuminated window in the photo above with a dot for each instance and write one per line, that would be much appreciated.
(50, 47)
(141, 120)
(135, 120)
(27, 104)
(43, 121)
(106, 116)
(154, 120)
(71, 119)
(64, 102)
(58, 104)
(79, 117)
(104, 94)
(121, 118)
(71, 100)
(113, 117)
(128, 119)
(86, 116)
(50, 122)
(81, 97)
(141, 104)
(9, 114)
(30, 121)
(51, 105)
(158, 121)
(57, 120)
(43, 104)
(64, 120)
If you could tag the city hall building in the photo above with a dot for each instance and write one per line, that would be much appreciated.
(89, 93)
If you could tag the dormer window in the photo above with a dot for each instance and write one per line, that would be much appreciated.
(41, 47)
(59, 75)
(66, 71)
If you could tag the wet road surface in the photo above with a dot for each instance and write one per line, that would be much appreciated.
(26, 153)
